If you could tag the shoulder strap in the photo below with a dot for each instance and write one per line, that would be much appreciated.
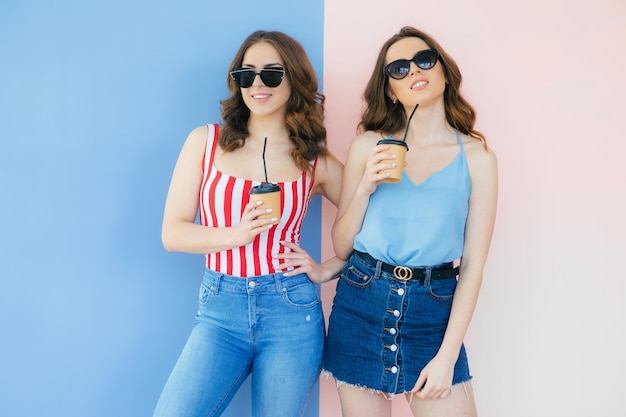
(458, 137)
(209, 147)
(314, 163)
(212, 140)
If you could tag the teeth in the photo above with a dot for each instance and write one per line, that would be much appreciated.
(260, 95)
(419, 84)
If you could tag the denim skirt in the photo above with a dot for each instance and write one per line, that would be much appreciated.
(383, 331)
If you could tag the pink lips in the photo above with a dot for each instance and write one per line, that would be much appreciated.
(419, 84)
(260, 96)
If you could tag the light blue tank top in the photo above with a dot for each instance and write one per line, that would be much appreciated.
(423, 225)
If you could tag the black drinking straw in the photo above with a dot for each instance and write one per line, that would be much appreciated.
(407, 123)
(264, 167)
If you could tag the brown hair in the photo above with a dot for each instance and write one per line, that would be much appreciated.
(382, 115)
(305, 108)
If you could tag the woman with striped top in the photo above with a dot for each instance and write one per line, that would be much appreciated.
(259, 312)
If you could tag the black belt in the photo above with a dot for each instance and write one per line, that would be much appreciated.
(404, 273)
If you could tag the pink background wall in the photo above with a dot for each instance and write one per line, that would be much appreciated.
(547, 80)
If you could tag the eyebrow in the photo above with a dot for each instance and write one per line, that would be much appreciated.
(276, 64)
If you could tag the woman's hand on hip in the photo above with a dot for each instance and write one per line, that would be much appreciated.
(301, 261)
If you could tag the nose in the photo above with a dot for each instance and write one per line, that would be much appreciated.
(414, 68)
(257, 80)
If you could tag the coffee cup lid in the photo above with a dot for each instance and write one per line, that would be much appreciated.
(264, 188)
(393, 142)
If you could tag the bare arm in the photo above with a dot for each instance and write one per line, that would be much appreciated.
(328, 176)
(360, 179)
(478, 231)
(179, 232)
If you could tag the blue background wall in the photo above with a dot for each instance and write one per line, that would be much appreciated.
(96, 99)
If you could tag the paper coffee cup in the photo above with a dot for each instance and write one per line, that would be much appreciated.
(398, 148)
(269, 193)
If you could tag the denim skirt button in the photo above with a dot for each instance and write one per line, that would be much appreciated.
(396, 313)
(401, 291)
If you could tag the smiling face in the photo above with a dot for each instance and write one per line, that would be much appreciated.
(262, 100)
(419, 86)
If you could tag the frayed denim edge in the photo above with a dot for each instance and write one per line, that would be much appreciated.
(463, 383)
(326, 374)
(389, 396)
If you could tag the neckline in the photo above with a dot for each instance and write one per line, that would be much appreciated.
(439, 171)
(225, 174)
(434, 174)
(214, 145)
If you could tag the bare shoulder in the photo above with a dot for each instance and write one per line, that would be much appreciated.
(479, 157)
(194, 147)
(197, 137)
(328, 161)
(365, 142)
(328, 167)
(367, 138)
(328, 175)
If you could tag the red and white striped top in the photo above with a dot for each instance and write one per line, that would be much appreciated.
(222, 199)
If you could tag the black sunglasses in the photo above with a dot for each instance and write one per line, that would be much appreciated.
(400, 68)
(271, 77)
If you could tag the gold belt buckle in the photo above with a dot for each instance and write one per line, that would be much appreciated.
(403, 273)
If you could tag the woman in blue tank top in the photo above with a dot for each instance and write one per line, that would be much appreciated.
(416, 247)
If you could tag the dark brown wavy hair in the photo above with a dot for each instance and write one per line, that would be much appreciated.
(305, 108)
(382, 115)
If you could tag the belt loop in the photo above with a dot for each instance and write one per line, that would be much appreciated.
(427, 276)
(379, 265)
(279, 282)
(218, 279)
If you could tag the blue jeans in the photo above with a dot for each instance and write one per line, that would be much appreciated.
(271, 326)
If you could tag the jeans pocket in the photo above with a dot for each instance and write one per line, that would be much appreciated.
(355, 278)
(205, 294)
(301, 296)
(442, 289)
